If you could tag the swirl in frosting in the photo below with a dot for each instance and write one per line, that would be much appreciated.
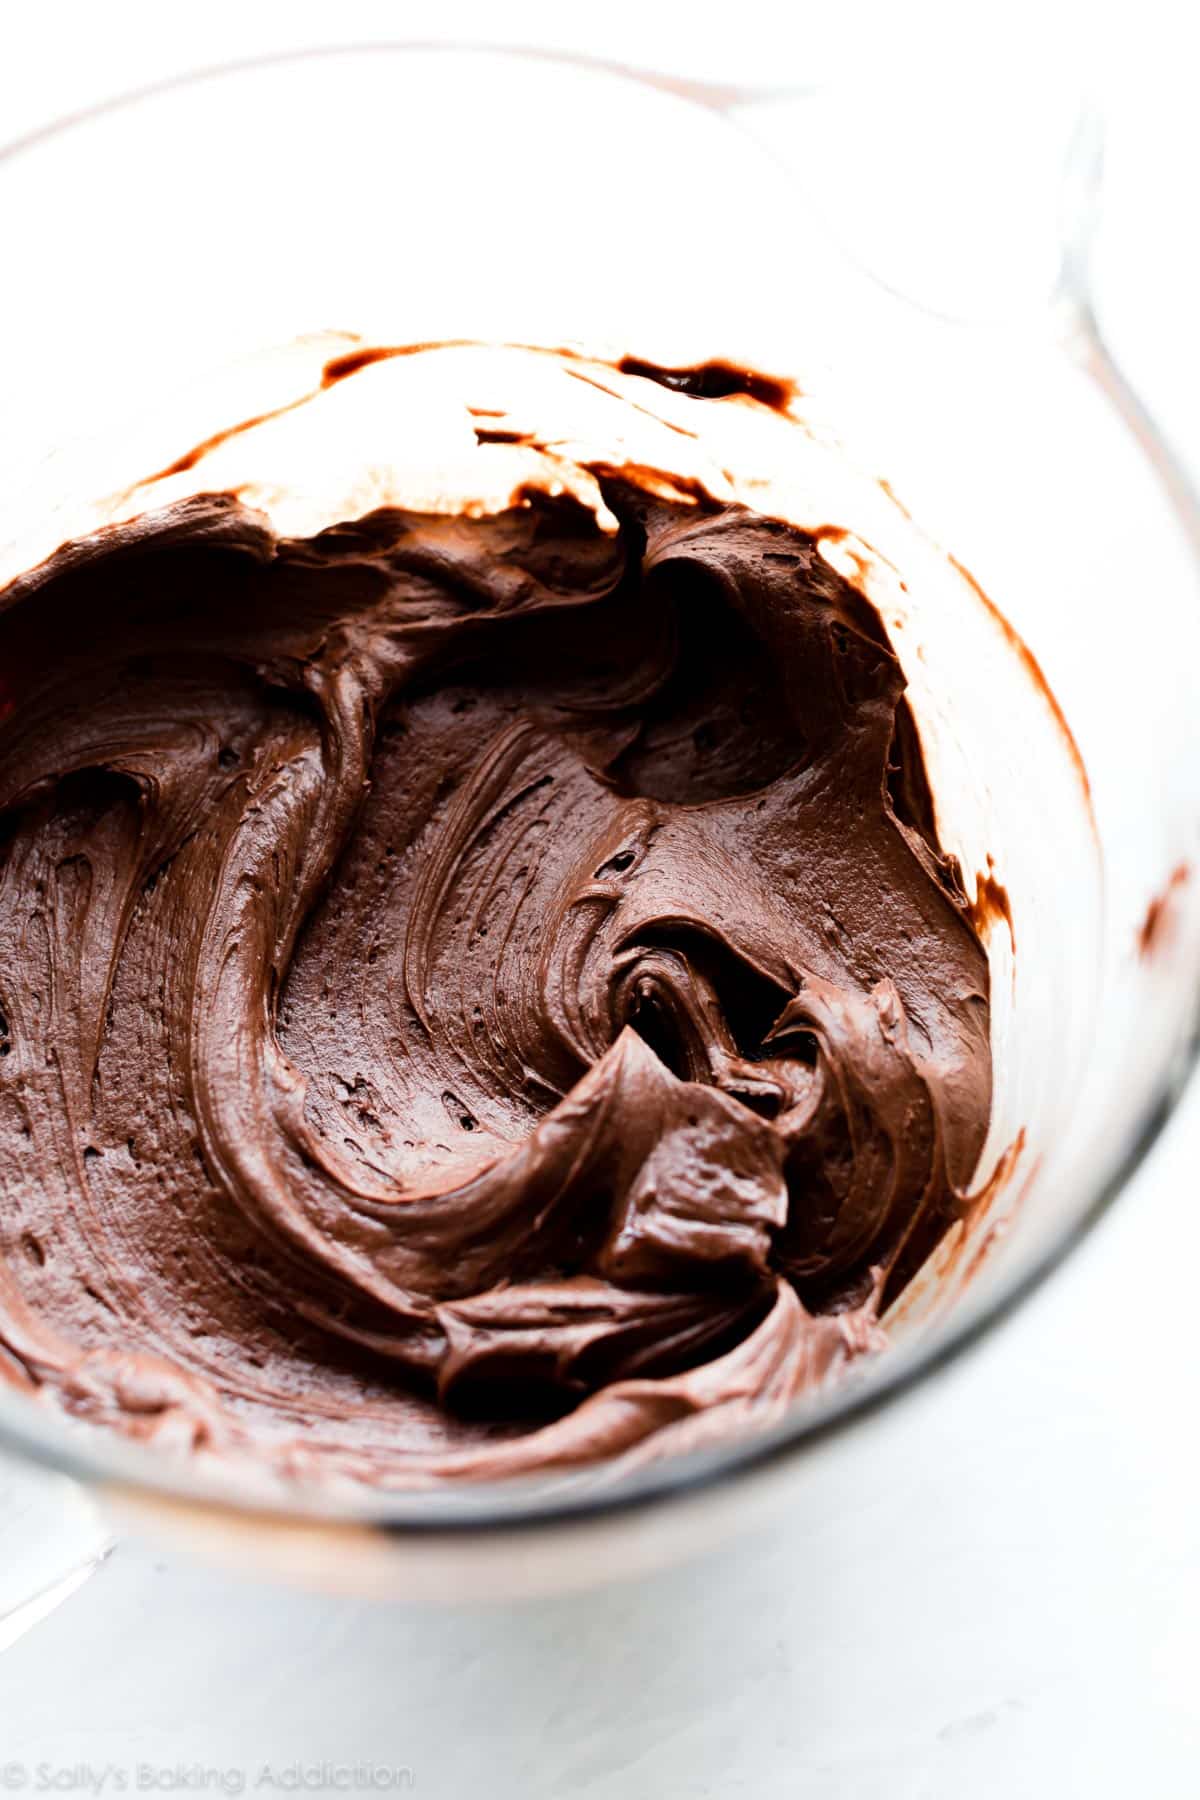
(479, 994)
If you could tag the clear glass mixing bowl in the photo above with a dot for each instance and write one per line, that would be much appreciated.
(925, 281)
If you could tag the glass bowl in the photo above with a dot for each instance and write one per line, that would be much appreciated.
(417, 194)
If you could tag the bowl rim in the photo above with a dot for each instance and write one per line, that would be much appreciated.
(93, 1454)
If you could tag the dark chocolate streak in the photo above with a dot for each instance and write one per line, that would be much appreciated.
(716, 381)
(477, 996)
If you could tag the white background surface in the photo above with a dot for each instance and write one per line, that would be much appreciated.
(1015, 1613)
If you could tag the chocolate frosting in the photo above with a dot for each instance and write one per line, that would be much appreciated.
(480, 995)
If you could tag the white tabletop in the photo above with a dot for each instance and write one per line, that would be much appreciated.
(1016, 1614)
